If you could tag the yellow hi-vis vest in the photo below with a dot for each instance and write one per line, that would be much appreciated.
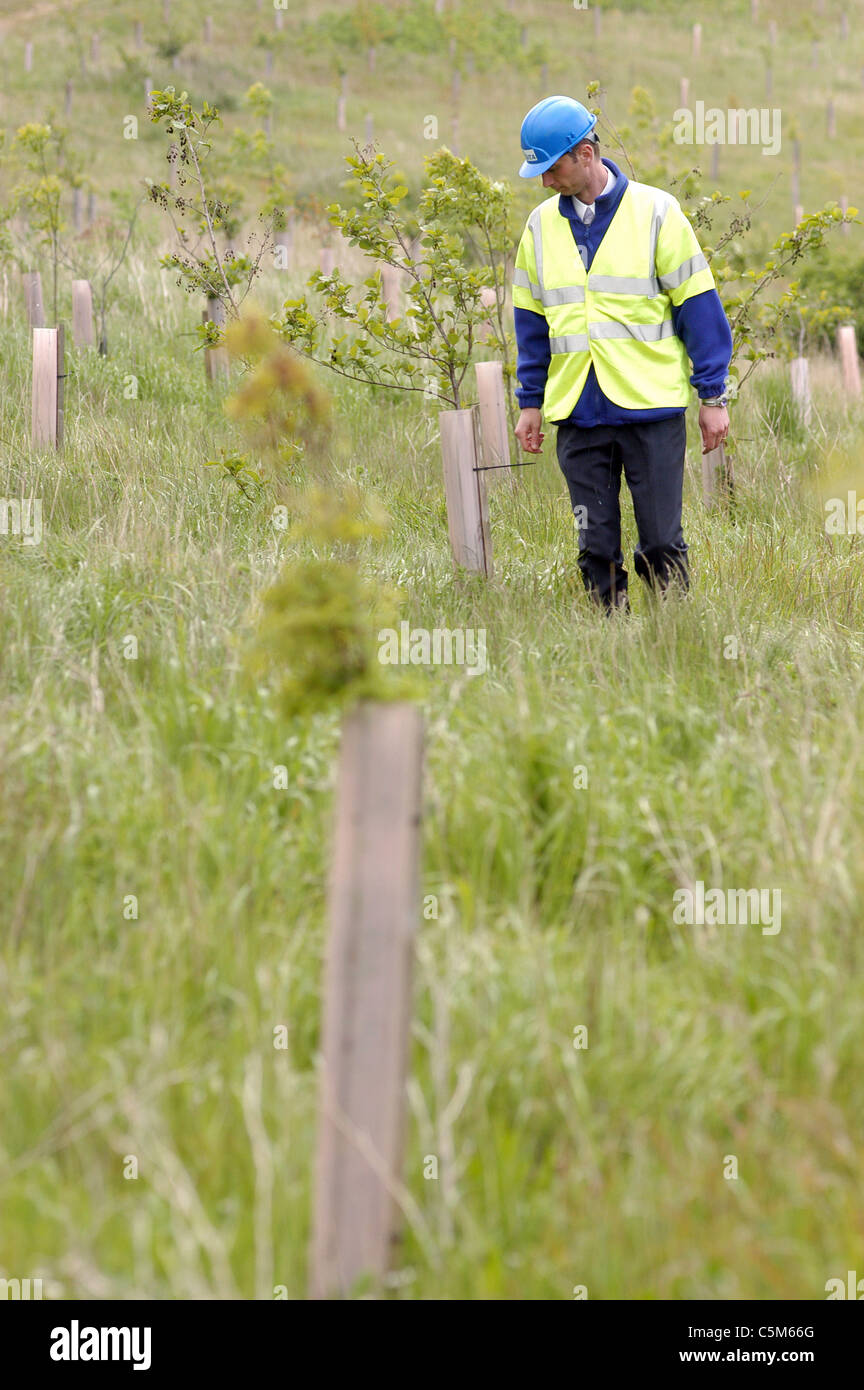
(618, 315)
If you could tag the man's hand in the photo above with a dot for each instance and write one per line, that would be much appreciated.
(714, 424)
(528, 431)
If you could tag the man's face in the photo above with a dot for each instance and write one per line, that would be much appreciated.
(569, 175)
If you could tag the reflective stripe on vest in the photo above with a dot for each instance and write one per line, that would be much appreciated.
(620, 323)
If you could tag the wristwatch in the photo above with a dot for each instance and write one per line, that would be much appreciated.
(715, 400)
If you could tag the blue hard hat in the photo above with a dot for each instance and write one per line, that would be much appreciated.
(551, 128)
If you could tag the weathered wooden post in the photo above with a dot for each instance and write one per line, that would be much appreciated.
(684, 92)
(800, 380)
(216, 362)
(697, 40)
(391, 288)
(33, 299)
(208, 29)
(148, 88)
(598, 15)
(91, 207)
(139, 34)
(374, 905)
(48, 379)
(494, 424)
(95, 48)
(465, 492)
(82, 313)
(718, 484)
(28, 56)
(849, 360)
(489, 300)
(280, 19)
(772, 32)
(370, 57)
(715, 161)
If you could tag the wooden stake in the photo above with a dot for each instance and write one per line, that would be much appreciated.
(799, 212)
(800, 374)
(94, 48)
(598, 15)
(391, 288)
(216, 363)
(47, 415)
(28, 56)
(489, 300)
(208, 29)
(772, 32)
(33, 299)
(370, 57)
(374, 904)
(697, 40)
(91, 207)
(148, 88)
(139, 34)
(849, 360)
(717, 480)
(465, 492)
(715, 161)
(684, 93)
(82, 313)
(494, 424)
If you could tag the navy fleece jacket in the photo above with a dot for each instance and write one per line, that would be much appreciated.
(700, 323)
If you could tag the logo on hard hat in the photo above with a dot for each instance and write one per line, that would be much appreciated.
(530, 156)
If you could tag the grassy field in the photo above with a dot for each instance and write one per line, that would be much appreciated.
(151, 1036)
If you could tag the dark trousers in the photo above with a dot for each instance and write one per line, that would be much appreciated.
(652, 456)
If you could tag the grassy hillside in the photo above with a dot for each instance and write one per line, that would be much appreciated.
(152, 778)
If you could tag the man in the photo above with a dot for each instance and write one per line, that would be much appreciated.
(611, 293)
